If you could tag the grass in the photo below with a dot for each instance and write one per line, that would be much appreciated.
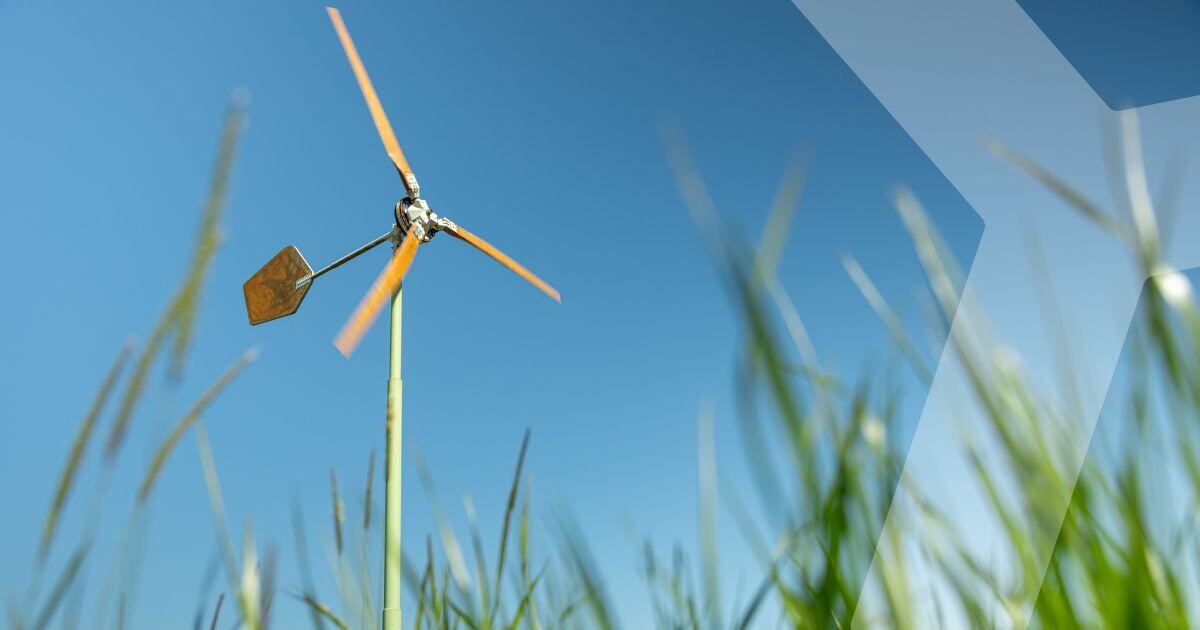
(111, 608)
(822, 454)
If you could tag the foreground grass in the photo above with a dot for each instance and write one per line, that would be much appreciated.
(51, 598)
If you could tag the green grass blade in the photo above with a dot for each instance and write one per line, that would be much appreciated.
(317, 608)
(217, 505)
(65, 579)
(179, 316)
(83, 434)
(217, 612)
(367, 498)
(889, 318)
(1065, 191)
(187, 303)
(508, 512)
(300, 540)
(783, 208)
(337, 510)
(188, 420)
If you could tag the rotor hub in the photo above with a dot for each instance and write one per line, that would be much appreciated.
(415, 214)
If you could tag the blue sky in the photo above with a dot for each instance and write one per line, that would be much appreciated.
(536, 126)
(1130, 53)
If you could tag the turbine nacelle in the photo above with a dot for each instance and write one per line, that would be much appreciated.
(416, 216)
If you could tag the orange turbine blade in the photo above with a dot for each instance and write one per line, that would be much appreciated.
(368, 90)
(503, 259)
(386, 284)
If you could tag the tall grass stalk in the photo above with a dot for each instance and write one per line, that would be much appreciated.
(188, 420)
(70, 471)
(177, 321)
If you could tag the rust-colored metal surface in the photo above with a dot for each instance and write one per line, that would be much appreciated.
(381, 121)
(271, 292)
(386, 284)
(503, 259)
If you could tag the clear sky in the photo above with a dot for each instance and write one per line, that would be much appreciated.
(1130, 53)
(535, 125)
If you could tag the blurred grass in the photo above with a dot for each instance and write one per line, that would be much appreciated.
(178, 319)
(83, 435)
(38, 610)
(188, 420)
(1124, 557)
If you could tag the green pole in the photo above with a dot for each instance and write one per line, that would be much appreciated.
(391, 526)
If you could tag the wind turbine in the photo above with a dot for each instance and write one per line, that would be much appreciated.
(277, 289)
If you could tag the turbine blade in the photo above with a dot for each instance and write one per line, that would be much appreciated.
(386, 284)
(381, 122)
(500, 257)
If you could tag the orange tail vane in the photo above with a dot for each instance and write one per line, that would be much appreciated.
(386, 284)
(381, 122)
(502, 258)
(277, 289)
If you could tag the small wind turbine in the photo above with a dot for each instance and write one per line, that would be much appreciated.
(277, 289)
